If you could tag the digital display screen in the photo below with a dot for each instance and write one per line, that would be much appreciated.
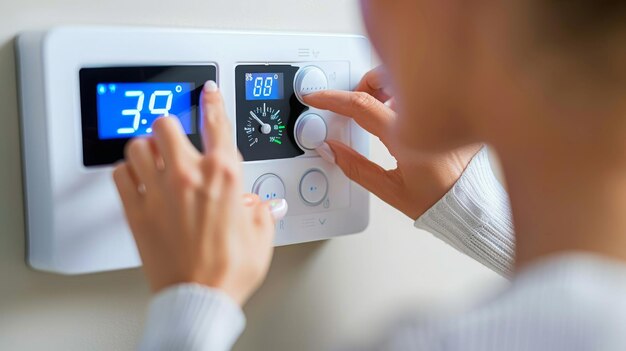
(127, 110)
(119, 103)
(265, 86)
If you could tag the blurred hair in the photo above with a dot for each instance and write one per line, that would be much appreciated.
(587, 15)
(588, 33)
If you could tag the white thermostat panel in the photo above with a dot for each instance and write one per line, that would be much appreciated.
(86, 91)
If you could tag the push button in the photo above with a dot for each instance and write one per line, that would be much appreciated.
(310, 131)
(269, 187)
(314, 187)
(309, 80)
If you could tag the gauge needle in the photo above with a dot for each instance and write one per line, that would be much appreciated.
(265, 128)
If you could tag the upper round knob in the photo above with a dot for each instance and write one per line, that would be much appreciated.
(309, 80)
(310, 131)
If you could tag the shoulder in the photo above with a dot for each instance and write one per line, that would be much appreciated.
(571, 304)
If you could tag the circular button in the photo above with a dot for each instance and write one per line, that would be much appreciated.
(269, 187)
(309, 80)
(314, 187)
(310, 131)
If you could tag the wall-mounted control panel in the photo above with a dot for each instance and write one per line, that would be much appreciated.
(86, 91)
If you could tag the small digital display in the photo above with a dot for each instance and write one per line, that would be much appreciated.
(127, 110)
(265, 86)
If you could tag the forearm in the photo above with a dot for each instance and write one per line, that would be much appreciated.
(475, 218)
(192, 317)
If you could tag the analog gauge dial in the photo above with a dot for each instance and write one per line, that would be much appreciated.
(264, 127)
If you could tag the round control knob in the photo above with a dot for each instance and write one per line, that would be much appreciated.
(269, 187)
(314, 187)
(310, 131)
(309, 80)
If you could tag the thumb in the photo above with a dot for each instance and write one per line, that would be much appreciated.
(278, 208)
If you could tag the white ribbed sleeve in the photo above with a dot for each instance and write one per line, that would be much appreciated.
(474, 217)
(192, 317)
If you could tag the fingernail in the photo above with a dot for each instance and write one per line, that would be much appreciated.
(210, 87)
(326, 153)
(278, 208)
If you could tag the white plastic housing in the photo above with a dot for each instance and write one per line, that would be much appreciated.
(75, 222)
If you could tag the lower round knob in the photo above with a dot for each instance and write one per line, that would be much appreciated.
(311, 131)
(269, 187)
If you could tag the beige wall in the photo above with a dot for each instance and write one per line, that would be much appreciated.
(316, 295)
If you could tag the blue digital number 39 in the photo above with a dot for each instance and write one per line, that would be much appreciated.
(136, 112)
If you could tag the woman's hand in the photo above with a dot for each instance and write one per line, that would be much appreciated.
(419, 180)
(187, 211)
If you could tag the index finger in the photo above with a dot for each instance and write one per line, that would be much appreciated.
(216, 126)
(369, 113)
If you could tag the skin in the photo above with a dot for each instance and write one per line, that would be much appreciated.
(464, 74)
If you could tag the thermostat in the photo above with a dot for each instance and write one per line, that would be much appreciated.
(86, 91)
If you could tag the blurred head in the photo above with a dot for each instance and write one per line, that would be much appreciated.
(500, 72)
